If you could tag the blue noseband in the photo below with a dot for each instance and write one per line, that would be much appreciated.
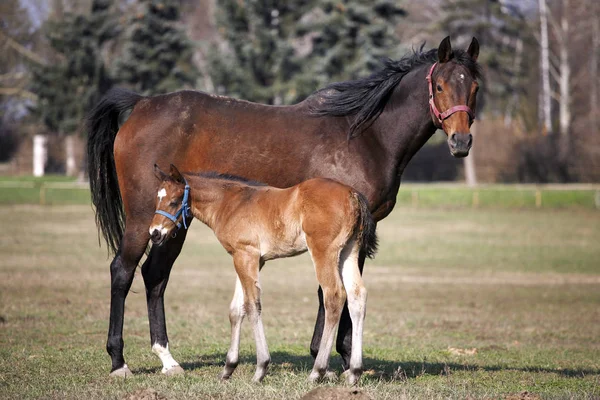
(183, 211)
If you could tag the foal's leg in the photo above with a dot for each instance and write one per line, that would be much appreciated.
(236, 316)
(156, 270)
(344, 337)
(357, 305)
(247, 266)
(326, 268)
(122, 270)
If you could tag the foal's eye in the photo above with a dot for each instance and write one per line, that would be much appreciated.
(439, 88)
(173, 203)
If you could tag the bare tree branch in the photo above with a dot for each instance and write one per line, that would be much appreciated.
(25, 52)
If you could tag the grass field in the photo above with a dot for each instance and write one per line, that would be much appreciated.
(522, 288)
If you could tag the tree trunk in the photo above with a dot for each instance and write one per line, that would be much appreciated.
(71, 168)
(545, 66)
(565, 76)
(594, 66)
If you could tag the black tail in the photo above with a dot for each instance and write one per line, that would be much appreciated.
(367, 227)
(102, 125)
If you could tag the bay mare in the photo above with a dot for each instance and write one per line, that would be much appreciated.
(256, 223)
(361, 133)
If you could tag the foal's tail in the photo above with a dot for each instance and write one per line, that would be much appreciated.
(102, 125)
(367, 227)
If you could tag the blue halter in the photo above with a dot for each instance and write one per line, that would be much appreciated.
(183, 211)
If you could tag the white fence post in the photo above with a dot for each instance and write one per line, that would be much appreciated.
(40, 154)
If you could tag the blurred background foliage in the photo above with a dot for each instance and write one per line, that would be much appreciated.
(60, 56)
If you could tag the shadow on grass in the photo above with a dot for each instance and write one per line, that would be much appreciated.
(377, 369)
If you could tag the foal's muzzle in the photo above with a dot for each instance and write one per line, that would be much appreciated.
(460, 144)
(157, 237)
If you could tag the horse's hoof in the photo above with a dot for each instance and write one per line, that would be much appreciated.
(330, 376)
(351, 378)
(123, 372)
(174, 370)
(314, 377)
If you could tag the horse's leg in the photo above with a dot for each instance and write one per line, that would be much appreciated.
(357, 305)
(344, 337)
(156, 270)
(236, 316)
(247, 266)
(122, 270)
(326, 268)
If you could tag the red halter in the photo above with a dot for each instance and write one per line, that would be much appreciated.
(439, 115)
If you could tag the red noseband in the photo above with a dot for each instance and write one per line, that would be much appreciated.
(439, 115)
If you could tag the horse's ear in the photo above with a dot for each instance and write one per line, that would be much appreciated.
(445, 50)
(160, 174)
(473, 50)
(176, 175)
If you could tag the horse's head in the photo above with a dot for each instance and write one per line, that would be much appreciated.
(452, 94)
(172, 208)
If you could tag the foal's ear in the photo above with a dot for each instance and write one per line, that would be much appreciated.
(473, 50)
(445, 50)
(160, 174)
(176, 175)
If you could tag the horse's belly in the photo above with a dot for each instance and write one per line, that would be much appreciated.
(280, 246)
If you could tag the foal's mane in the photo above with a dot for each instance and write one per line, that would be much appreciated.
(365, 98)
(227, 177)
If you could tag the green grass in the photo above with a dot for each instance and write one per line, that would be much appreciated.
(415, 195)
(521, 287)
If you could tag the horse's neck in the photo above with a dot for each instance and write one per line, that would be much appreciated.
(206, 198)
(405, 124)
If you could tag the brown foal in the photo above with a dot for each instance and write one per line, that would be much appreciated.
(256, 223)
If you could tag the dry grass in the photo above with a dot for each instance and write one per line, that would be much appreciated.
(522, 288)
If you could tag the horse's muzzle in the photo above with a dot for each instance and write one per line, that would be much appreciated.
(460, 144)
(157, 237)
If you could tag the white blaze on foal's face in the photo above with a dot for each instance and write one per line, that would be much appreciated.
(161, 194)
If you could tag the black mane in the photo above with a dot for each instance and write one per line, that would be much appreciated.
(365, 98)
(228, 177)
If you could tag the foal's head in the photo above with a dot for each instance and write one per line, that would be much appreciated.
(172, 205)
(453, 93)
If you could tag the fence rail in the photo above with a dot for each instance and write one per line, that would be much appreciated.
(410, 194)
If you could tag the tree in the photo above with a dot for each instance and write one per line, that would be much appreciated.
(76, 78)
(157, 57)
(68, 87)
(281, 51)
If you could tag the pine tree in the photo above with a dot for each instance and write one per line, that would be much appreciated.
(158, 55)
(258, 62)
(281, 51)
(349, 39)
(67, 88)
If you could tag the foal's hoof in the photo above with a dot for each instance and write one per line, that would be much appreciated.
(123, 372)
(174, 370)
(351, 378)
(314, 377)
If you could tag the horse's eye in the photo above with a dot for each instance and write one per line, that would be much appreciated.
(439, 88)
(173, 203)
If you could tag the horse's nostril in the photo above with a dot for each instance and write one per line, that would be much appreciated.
(470, 142)
(453, 139)
(155, 235)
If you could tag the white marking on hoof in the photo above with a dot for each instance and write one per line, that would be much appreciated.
(314, 377)
(167, 359)
(123, 372)
(330, 376)
(351, 378)
(176, 370)
(161, 193)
